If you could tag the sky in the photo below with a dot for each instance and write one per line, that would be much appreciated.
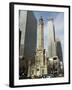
(58, 23)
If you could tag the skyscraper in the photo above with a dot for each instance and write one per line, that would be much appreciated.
(39, 68)
(28, 27)
(54, 51)
(40, 40)
(59, 50)
(40, 36)
(28, 36)
(60, 56)
(51, 38)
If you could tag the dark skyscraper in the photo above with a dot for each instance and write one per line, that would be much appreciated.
(28, 27)
(59, 50)
(30, 36)
(28, 40)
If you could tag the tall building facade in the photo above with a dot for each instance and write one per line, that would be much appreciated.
(51, 38)
(28, 39)
(39, 68)
(28, 27)
(40, 60)
(59, 50)
(60, 56)
(53, 50)
(40, 36)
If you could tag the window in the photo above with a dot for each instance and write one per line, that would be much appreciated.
(42, 71)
